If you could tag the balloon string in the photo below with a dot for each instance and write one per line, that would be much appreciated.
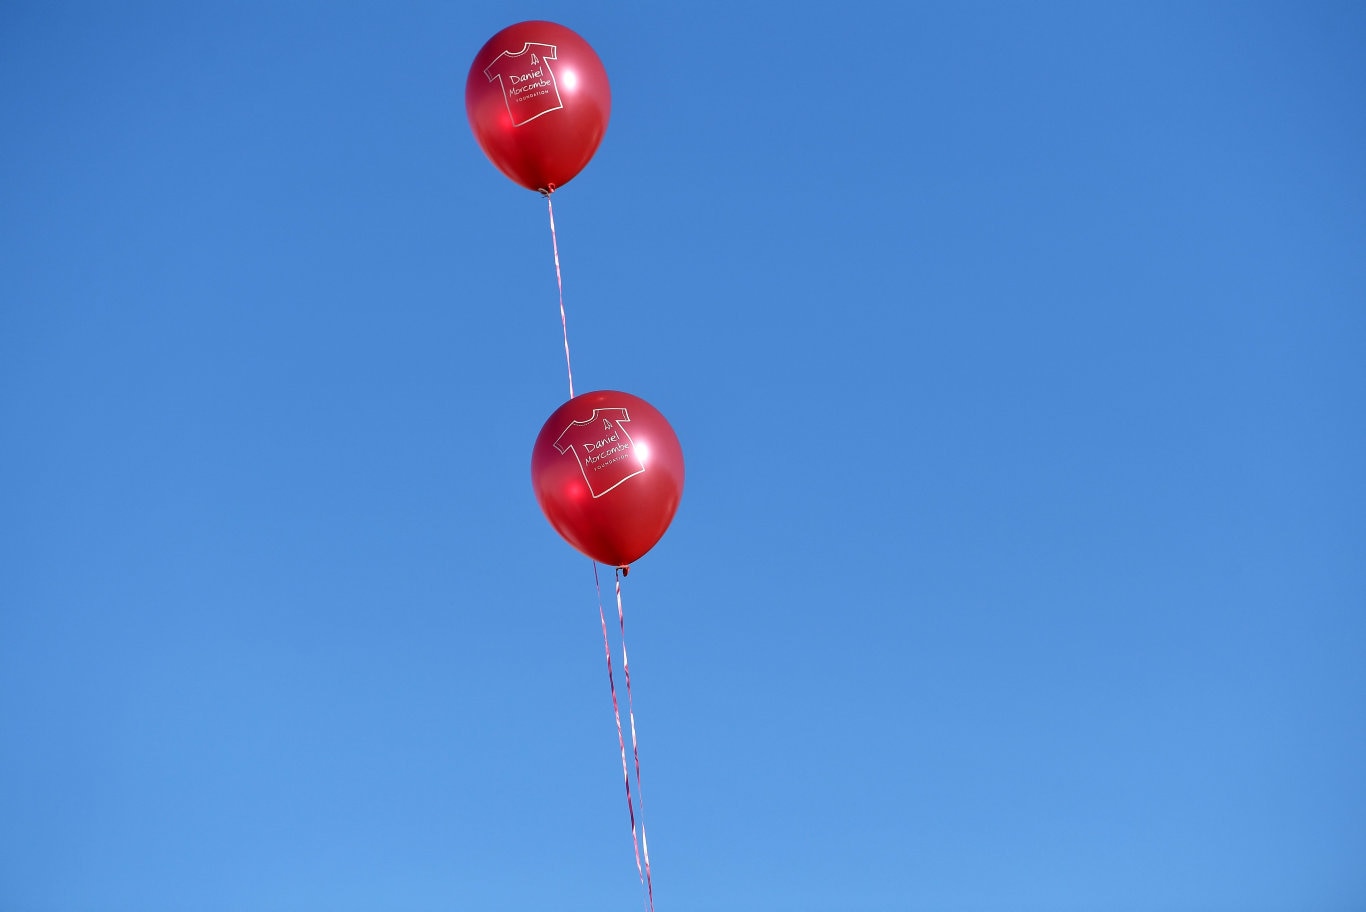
(616, 711)
(635, 746)
(559, 282)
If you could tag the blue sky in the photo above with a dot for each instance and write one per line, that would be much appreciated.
(1016, 352)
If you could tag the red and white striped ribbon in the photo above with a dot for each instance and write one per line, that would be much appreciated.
(559, 283)
(621, 741)
(635, 746)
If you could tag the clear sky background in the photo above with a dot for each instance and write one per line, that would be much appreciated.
(1018, 354)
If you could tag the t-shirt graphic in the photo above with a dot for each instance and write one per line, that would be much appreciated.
(604, 449)
(528, 82)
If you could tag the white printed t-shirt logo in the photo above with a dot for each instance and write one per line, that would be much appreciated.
(528, 82)
(605, 453)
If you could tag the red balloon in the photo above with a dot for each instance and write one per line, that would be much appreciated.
(538, 102)
(608, 474)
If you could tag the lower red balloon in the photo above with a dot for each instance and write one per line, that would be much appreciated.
(608, 473)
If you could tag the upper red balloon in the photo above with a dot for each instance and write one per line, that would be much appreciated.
(608, 474)
(538, 103)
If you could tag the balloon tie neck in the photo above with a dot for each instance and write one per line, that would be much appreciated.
(547, 190)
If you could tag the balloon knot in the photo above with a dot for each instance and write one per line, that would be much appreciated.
(625, 571)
